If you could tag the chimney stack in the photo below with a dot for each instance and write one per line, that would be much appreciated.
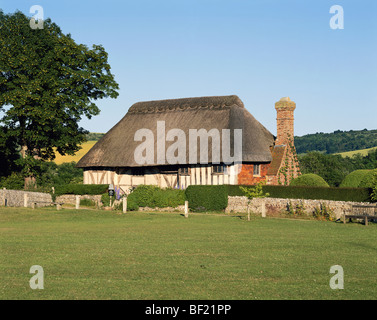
(285, 121)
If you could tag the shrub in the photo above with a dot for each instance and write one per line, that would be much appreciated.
(207, 198)
(163, 198)
(368, 179)
(87, 203)
(15, 181)
(153, 196)
(309, 180)
(131, 204)
(143, 195)
(353, 180)
(105, 199)
(374, 190)
(324, 213)
(298, 210)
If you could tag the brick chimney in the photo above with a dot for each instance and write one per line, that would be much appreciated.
(285, 120)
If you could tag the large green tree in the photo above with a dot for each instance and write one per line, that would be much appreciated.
(48, 82)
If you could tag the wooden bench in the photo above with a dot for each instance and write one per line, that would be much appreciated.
(58, 204)
(362, 212)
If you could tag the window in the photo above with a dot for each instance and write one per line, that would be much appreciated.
(219, 169)
(256, 171)
(185, 171)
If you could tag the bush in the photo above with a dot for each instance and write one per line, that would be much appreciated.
(368, 179)
(105, 199)
(15, 181)
(374, 189)
(131, 204)
(207, 198)
(143, 195)
(163, 198)
(353, 180)
(309, 180)
(87, 203)
(153, 196)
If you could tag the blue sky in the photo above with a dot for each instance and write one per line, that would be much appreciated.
(260, 50)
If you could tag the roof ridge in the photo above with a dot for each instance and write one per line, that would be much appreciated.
(158, 106)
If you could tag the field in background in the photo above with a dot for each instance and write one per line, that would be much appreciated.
(90, 254)
(86, 146)
(363, 152)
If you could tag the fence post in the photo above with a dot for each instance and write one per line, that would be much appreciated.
(186, 209)
(4, 204)
(124, 204)
(263, 208)
(77, 202)
(25, 200)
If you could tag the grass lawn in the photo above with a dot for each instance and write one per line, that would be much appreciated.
(89, 254)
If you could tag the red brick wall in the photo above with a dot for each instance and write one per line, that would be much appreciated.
(285, 126)
(246, 175)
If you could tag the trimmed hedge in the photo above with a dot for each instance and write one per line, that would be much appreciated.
(309, 180)
(207, 198)
(310, 193)
(368, 180)
(153, 196)
(81, 189)
(354, 179)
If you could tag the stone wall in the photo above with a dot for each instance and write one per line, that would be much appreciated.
(276, 207)
(16, 198)
(71, 198)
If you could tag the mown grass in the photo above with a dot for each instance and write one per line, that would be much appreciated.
(92, 254)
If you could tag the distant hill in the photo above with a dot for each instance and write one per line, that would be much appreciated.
(92, 139)
(85, 147)
(337, 141)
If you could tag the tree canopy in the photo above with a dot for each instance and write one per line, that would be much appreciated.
(337, 141)
(335, 168)
(48, 82)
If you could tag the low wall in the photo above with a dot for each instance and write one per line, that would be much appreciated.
(71, 198)
(276, 207)
(16, 198)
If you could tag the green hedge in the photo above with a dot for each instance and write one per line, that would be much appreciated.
(153, 196)
(207, 198)
(81, 189)
(309, 180)
(313, 193)
(354, 179)
(368, 180)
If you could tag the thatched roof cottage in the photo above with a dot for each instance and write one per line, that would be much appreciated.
(206, 140)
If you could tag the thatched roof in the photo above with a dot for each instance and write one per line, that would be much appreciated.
(116, 148)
